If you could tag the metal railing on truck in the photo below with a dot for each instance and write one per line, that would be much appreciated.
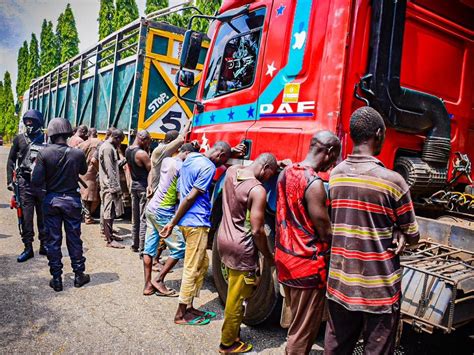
(104, 86)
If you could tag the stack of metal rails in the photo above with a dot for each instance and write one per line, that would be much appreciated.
(437, 287)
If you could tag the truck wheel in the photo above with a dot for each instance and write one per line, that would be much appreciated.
(266, 298)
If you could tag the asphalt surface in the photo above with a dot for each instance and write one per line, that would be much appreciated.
(110, 315)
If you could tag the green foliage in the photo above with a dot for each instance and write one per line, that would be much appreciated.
(154, 5)
(50, 56)
(207, 7)
(106, 18)
(22, 66)
(33, 60)
(67, 36)
(8, 119)
(126, 11)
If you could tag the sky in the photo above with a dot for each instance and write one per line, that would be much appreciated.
(20, 18)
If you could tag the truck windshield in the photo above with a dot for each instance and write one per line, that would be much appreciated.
(234, 56)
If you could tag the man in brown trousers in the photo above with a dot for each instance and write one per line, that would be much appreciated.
(90, 194)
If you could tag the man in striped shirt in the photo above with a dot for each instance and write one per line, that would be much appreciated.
(372, 220)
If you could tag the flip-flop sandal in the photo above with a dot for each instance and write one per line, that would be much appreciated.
(151, 293)
(172, 293)
(196, 321)
(210, 314)
(115, 245)
(237, 347)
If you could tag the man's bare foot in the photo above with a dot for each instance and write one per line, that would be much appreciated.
(116, 245)
(191, 319)
(195, 311)
(149, 290)
(160, 287)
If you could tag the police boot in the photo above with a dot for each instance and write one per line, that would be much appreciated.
(27, 253)
(42, 250)
(81, 279)
(56, 284)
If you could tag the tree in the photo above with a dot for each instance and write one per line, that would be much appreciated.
(33, 60)
(2, 110)
(10, 121)
(22, 65)
(49, 56)
(67, 35)
(126, 12)
(207, 7)
(106, 18)
(154, 5)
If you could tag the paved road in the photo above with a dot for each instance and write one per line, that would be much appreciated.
(107, 315)
(110, 315)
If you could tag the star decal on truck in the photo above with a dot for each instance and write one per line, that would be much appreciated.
(280, 9)
(270, 69)
(250, 112)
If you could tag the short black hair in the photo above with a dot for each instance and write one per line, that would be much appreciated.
(188, 147)
(267, 159)
(171, 136)
(223, 147)
(117, 133)
(364, 124)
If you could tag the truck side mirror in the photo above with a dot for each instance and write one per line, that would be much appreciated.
(184, 78)
(191, 49)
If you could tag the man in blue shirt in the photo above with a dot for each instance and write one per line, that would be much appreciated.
(193, 218)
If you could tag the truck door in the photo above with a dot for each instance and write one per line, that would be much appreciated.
(231, 80)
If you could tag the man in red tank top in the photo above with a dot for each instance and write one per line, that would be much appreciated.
(303, 236)
(239, 238)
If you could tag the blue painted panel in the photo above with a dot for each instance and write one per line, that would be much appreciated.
(104, 80)
(85, 107)
(123, 95)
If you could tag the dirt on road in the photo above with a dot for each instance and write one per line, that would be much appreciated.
(109, 315)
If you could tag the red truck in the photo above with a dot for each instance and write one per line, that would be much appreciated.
(279, 70)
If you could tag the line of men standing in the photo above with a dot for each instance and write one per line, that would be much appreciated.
(348, 255)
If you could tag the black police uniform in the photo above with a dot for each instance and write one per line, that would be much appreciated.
(22, 159)
(58, 167)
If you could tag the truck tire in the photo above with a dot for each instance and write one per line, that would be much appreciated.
(266, 300)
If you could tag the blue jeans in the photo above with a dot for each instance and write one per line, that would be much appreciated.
(64, 209)
(175, 242)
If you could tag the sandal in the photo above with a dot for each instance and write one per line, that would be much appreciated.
(114, 244)
(196, 321)
(237, 347)
(150, 293)
(210, 314)
(171, 293)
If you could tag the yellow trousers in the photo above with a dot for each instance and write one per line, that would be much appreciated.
(196, 263)
(241, 286)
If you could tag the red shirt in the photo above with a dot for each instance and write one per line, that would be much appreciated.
(299, 254)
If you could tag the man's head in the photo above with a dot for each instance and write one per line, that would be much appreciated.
(116, 137)
(367, 128)
(92, 133)
(33, 121)
(219, 153)
(324, 150)
(143, 140)
(59, 130)
(82, 132)
(265, 166)
(108, 132)
(171, 136)
(185, 149)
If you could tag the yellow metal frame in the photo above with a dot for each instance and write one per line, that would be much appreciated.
(155, 59)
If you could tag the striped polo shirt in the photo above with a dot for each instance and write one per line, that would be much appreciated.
(367, 202)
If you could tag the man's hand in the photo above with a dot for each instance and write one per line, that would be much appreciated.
(398, 242)
(10, 187)
(166, 231)
(282, 164)
(149, 192)
(239, 150)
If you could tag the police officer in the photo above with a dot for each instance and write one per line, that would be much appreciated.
(58, 167)
(21, 159)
